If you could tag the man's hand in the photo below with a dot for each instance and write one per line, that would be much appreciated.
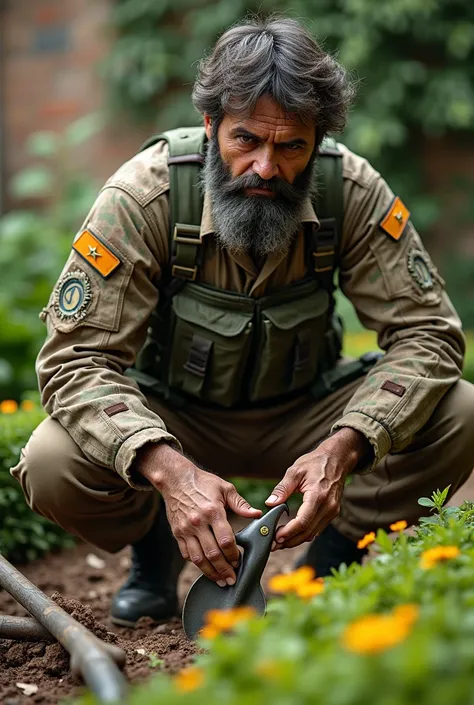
(320, 477)
(195, 502)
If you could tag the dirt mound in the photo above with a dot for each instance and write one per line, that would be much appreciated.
(149, 648)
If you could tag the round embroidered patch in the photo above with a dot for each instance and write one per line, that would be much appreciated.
(420, 269)
(72, 296)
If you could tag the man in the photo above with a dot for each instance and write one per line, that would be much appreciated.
(237, 353)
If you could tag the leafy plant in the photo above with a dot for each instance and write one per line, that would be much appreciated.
(396, 631)
(24, 535)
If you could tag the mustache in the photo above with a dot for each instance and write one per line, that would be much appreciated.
(280, 188)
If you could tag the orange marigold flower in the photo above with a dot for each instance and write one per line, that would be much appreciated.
(209, 632)
(225, 620)
(368, 539)
(27, 405)
(437, 554)
(399, 525)
(289, 582)
(407, 613)
(311, 589)
(189, 679)
(8, 406)
(378, 632)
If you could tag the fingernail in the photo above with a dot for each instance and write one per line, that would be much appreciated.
(221, 583)
(230, 581)
(272, 498)
(280, 540)
(235, 564)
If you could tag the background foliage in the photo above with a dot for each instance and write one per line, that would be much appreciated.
(23, 535)
(414, 60)
(35, 242)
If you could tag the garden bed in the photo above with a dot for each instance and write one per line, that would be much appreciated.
(85, 592)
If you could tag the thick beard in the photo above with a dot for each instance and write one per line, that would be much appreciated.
(260, 224)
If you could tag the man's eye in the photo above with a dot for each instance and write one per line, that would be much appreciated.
(245, 139)
(292, 147)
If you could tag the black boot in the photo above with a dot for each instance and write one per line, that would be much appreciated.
(329, 550)
(150, 590)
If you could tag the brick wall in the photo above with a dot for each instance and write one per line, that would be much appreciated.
(50, 52)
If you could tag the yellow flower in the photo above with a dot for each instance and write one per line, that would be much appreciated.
(8, 406)
(27, 405)
(378, 632)
(189, 679)
(289, 582)
(218, 621)
(399, 525)
(368, 539)
(434, 555)
(311, 589)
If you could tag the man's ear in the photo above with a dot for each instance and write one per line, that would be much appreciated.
(208, 126)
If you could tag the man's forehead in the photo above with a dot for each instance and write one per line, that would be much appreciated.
(269, 115)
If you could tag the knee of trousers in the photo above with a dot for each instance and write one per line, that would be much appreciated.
(61, 484)
(453, 420)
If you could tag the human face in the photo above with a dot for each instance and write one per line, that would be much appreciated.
(268, 143)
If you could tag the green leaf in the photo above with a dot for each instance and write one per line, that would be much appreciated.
(384, 541)
(83, 129)
(42, 144)
(35, 182)
(426, 502)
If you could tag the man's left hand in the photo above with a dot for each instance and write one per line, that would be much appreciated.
(320, 476)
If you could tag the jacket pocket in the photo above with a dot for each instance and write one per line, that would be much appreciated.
(210, 349)
(291, 343)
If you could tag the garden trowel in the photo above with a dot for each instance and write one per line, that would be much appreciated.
(256, 540)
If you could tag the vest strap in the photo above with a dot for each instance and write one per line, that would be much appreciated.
(186, 244)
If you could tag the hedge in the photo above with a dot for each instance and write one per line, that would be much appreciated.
(397, 631)
(24, 535)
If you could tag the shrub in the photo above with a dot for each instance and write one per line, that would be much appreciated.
(397, 631)
(23, 534)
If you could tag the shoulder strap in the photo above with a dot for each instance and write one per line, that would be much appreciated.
(328, 203)
(186, 157)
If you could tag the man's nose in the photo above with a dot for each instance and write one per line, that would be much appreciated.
(265, 165)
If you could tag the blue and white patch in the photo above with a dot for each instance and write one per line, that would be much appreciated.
(72, 296)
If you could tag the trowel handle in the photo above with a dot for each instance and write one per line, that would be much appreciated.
(256, 540)
(261, 532)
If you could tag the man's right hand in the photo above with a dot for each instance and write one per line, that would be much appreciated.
(196, 503)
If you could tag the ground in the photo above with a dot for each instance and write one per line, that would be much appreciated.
(85, 591)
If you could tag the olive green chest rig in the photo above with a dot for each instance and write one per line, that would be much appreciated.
(225, 349)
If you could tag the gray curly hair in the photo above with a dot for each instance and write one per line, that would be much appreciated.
(276, 57)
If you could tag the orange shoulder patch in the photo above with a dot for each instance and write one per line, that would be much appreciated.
(394, 222)
(96, 253)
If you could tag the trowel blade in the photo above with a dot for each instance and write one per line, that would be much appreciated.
(205, 595)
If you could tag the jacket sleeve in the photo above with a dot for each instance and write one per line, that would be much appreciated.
(397, 292)
(97, 322)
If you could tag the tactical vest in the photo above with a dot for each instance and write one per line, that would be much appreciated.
(230, 350)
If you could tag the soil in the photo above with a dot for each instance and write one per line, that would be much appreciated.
(85, 592)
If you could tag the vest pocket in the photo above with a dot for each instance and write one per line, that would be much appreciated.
(210, 348)
(291, 343)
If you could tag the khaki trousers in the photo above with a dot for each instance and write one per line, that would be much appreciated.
(94, 503)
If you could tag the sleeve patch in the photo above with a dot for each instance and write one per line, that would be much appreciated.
(96, 253)
(395, 220)
(72, 296)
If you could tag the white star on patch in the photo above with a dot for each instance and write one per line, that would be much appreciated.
(93, 253)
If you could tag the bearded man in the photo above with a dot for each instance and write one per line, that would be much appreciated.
(192, 337)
